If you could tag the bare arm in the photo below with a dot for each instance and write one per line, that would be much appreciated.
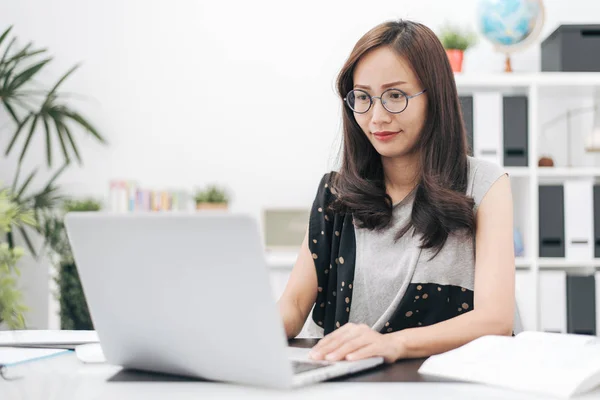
(300, 292)
(493, 311)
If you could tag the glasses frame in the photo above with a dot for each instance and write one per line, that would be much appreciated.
(372, 99)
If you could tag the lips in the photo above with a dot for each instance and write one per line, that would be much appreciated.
(385, 135)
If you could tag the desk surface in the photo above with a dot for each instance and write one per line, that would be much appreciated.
(65, 377)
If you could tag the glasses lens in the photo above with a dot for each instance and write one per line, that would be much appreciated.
(395, 100)
(358, 101)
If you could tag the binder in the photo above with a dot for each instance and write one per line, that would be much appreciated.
(581, 304)
(551, 221)
(579, 228)
(525, 299)
(466, 105)
(488, 126)
(596, 196)
(515, 130)
(597, 302)
(553, 301)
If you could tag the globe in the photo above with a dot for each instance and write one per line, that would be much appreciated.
(510, 25)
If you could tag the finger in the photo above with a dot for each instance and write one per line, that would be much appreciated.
(333, 336)
(350, 347)
(367, 351)
(332, 342)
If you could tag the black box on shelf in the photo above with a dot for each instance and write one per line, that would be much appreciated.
(581, 304)
(572, 48)
(466, 105)
(515, 136)
(551, 221)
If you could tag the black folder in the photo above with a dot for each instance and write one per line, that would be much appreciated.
(581, 304)
(551, 221)
(515, 131)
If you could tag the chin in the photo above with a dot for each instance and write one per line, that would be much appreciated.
(391, 151)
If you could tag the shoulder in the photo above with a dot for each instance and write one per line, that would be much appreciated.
(482, 176)
(326, 193)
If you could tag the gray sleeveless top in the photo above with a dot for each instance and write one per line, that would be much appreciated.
(392, 281)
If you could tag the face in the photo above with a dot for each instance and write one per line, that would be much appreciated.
(392, 135)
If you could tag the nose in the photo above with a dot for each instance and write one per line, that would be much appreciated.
(380, 114)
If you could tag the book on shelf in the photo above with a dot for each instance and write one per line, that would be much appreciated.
(129, 196)
(552, 364)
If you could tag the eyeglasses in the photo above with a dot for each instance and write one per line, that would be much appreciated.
(393, 100)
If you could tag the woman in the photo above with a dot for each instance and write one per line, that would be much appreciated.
(409, 249)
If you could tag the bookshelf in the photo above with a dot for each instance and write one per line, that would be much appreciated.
(547, 94)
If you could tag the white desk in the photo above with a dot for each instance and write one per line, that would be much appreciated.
(64, 377)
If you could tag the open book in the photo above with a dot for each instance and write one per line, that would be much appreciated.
(559, 365)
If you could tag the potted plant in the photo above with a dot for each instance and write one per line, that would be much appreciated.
(456, 41)
(211, 198)
(11, 305)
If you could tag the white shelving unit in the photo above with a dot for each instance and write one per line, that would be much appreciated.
(547, 93)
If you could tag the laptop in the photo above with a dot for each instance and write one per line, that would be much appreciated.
(189, 294)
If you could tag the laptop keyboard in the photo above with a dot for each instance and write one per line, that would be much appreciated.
(302, 366)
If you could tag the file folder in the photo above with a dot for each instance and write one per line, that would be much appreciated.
(466, 104)
(551, 221)
(579, 227)
(553, 301)
(515, 131)
(596, 220)
(525, 298)
(488, 126)
(581, 304)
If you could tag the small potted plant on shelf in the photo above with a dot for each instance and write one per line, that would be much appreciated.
(212, 197)
(456, 41)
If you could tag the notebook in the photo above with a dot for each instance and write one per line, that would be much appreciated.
(60, 339)
(10, 356)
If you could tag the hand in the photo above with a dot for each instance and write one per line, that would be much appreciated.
(355, 342)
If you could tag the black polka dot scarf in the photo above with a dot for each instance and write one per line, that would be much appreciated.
(333, 247)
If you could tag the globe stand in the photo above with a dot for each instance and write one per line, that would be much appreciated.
(507, 65)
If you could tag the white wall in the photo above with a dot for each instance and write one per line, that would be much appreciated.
(159, 75)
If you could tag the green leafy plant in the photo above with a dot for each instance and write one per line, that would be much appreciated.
(31, 108)
(454, 38)
(212, 194)
(11, 305)
(35, 110)
(74, 312)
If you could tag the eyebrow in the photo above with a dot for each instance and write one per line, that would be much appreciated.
(387, 85)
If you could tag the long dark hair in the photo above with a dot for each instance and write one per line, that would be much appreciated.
(441, 205)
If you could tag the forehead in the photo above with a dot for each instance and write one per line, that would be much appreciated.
(380, 66)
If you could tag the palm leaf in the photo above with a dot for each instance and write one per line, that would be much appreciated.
(29, 73)
(28, 242)
(24, 54)
(25, 185)
(16, 179)
(48, 142)
(84, 123)
(11, 111)
(5, 34)
(61, 80)
(59, 133)
(28, 140)
(3, 59)
(16, 134)
(67, 133)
